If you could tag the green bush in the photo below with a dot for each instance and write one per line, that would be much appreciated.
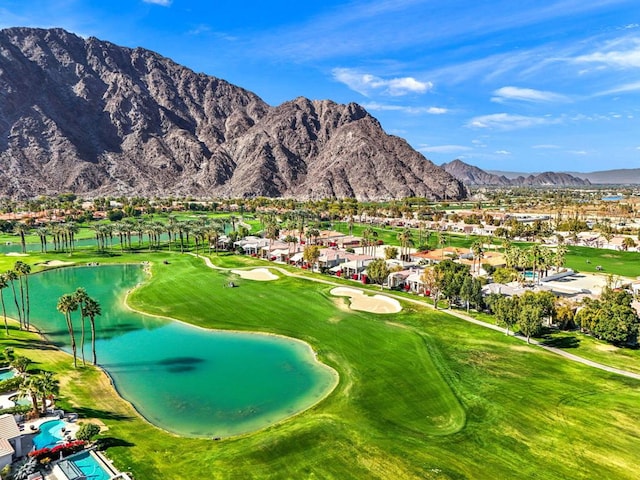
(87, 431)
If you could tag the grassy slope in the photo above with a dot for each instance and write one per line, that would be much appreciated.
(421, 395)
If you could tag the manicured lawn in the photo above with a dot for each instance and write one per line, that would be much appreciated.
(421, 395)
(596, 350)
(585, 259)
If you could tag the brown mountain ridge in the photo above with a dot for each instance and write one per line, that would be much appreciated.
(87, 116)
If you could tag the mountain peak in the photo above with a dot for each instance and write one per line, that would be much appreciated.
(88, 116)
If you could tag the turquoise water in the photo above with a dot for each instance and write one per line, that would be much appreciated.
(612, 198)
(187, 380)
(50, 434)
(89, 466)
(7, 373)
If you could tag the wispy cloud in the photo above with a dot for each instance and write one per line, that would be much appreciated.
(625, 88)
(163, 3)
(506, 121)
(451, 149)
(382, 107)
(367, 84)
(545, 146)
(578, 152)
(503, 152)
(620, 53)
(526, 94)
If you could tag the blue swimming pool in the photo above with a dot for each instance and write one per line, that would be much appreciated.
(89, 466)
(7, 373)
(50, 434)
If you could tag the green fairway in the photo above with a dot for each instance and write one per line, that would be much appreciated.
(421, 394)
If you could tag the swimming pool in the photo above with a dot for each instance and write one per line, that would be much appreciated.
(7, 373)
(84, 465)
(50, 434)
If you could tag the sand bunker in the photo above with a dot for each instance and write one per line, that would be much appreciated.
(260, 274)
(56, 263)
(16, 254)
(365, 303)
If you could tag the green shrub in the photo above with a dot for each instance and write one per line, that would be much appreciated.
(87, 431)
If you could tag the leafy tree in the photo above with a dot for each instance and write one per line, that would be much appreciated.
(507, 311)
(48, 387)
(530, 320)
(311, 254)
(378, 271)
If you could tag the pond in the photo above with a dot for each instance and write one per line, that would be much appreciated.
(187, 380)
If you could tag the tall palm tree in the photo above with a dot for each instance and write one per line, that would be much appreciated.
(12, 276)
(42, 233)
(406, 239)
(67, 304)
(4, 283)
(23, 270)
(49, 387)
(22, 229)
(92, 310)
(80, 296)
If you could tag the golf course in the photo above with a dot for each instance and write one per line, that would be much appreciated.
(421, 394)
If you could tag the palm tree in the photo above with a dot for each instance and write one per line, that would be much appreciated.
(12, 276)
(22, 229)
(4, 283)
(478, 252)
(406, 240)
(92, 310)
(48, 387)
(23, 270)
(29, 388)
(42, 233)
(80, 296)
(67, 304)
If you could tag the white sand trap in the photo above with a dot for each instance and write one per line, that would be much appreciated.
(16, 254)
(260, 274)
(365, 303)
(57, 263)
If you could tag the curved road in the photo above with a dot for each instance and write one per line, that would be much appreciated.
(460, 315)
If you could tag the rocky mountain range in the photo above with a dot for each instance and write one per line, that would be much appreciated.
(90, 117)
(472, 175)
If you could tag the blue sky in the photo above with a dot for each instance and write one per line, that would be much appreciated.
(520, 86)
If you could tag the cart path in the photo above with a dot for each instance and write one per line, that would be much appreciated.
(460, 315)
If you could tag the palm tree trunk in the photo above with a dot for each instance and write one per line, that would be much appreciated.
(4, 314)
(82, 336)
(15, 299)
(93, 339)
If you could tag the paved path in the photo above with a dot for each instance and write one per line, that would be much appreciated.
(460, 315)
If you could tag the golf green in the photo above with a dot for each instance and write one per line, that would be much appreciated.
(184, 379)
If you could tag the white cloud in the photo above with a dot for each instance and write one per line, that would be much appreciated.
(163, 3)
(578, 152)
(625, 88)
(626, 57)
(503, 152)
(526, 94)
(506, 121)
(546, 147)
(384, 107)
(366, 84)
(444, 148)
